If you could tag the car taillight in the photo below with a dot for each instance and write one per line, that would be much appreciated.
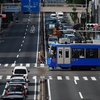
(27, 77)
(6, 92)
(23, 92)
(54, 60)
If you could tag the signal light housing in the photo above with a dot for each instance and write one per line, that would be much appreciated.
(92, 25)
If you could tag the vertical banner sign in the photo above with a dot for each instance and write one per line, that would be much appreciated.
(30, 5)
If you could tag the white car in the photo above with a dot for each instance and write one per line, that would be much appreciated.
(59, 15)
(20, 70)
(52, 39)
(53, 15)
(69, 36)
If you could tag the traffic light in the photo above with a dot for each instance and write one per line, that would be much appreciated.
(92, 25)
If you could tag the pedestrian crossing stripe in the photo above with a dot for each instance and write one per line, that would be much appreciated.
(93, 78)
(76, 78)
(24, 64)
(85, 78)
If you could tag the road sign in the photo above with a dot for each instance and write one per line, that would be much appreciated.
(11, 8)
(30, 5)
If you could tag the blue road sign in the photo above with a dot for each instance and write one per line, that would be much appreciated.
(30, 5)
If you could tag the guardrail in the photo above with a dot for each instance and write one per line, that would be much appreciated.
(47, 4)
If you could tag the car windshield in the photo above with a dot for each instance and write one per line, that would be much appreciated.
(70, 37)
(14, 88)
(17, 80)
(20, 71)
(53, 39)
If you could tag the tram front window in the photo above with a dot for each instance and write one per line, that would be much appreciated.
(77, 53)
(53, 52)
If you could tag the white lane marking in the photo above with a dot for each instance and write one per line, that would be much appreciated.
(25, 33)
(75, 79)
(17, 56)
(26, 29)
(13, 65)
(5, 89)
(50, 77)
(49, 93)
(24, 37)
(23, 41)
(19, 50)
(38, 38)
(93, 78)
(59, 77)
(6, 65)
(28, 19)
(85, 78)
(41, 65)
(21, 45)
(27, 65)
(35, 65)
(27, 25)
(80, 94)
(67, 77)
(21, 64)
(35, 78)
(14, 62)
(8, 77)
(1, 77)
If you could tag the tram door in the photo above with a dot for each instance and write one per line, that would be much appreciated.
(63, 55)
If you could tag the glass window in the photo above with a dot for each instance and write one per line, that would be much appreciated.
(17, 80)
(77, 53)
(67, 53)
(20, 71)
(91, 53)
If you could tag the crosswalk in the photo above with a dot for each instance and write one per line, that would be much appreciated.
(23, 64)
(68, 78)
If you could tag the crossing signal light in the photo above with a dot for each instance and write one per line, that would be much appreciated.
(92, 25)
(2, 15)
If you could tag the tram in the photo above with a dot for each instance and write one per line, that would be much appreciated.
(74, 56)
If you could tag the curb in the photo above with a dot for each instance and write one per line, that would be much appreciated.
(70, 18)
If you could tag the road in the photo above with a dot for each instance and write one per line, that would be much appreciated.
(19, 47)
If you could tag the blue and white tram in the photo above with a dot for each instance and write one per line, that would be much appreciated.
(74, 56)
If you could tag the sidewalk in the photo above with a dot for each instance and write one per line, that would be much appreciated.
(68, 14)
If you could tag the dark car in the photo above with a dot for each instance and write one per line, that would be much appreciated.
(76, 26)
(14, 97)
(15, 89)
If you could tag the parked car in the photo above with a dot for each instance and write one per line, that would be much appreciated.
(20, 70)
